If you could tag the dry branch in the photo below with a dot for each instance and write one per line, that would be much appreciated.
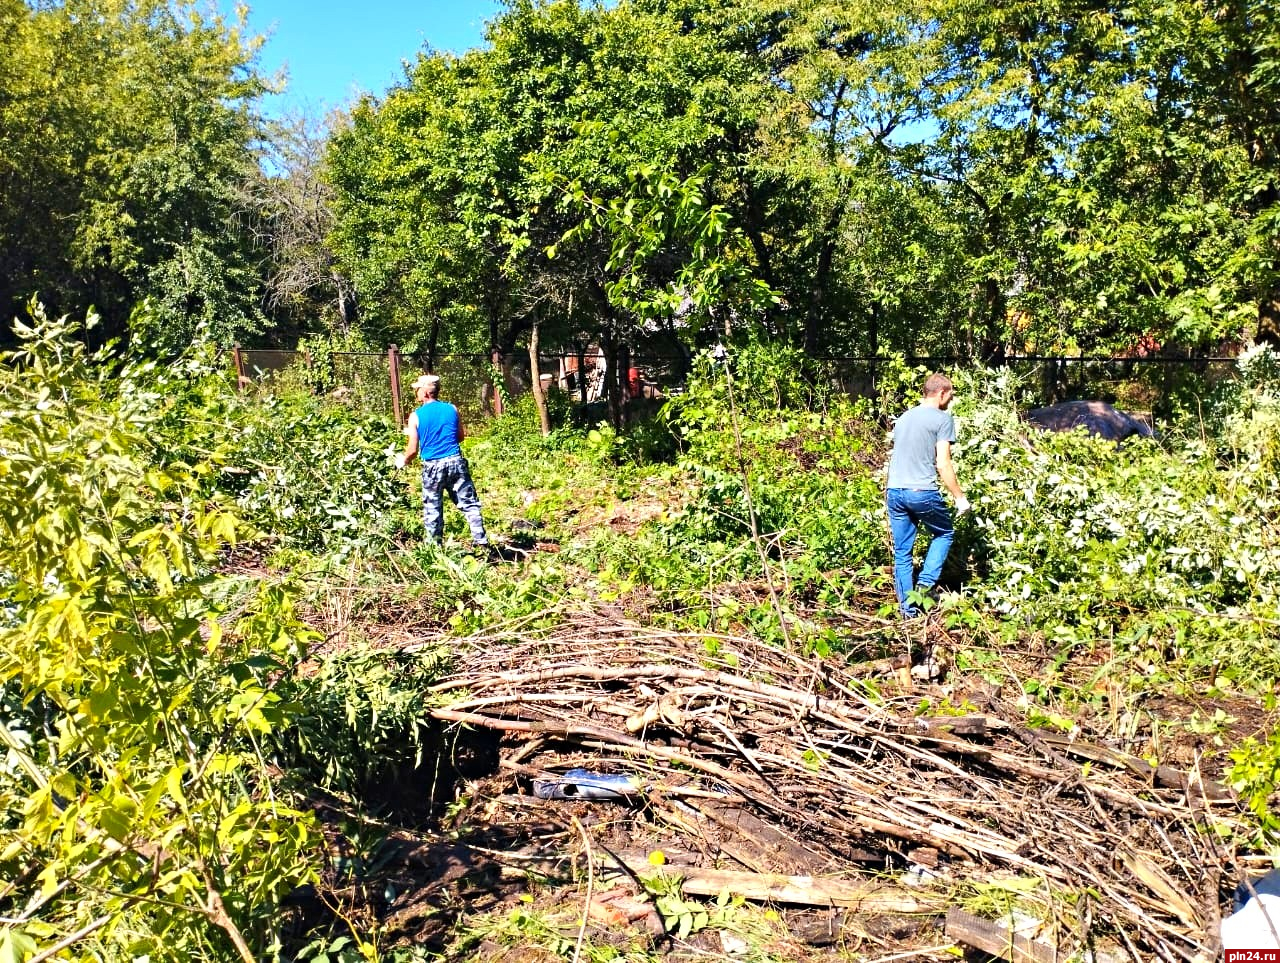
(868, 896)
(803, 747)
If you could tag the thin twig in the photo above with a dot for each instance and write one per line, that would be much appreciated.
(70, 940)
(591, 881)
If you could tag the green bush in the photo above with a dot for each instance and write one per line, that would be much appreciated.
(518, 426)
(1069, 529)
(811, 473)
(314, 474)
(310, 473)
(1247, 411)
(361, 714)
(138, 813)
(1255, 775)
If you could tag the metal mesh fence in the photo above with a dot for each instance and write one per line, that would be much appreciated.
(261, 365)
(361, 380)
(1156, 386)
(1044, 380)
(1153, 384)
(464, 382)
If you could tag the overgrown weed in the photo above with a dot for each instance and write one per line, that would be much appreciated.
(1092, 575)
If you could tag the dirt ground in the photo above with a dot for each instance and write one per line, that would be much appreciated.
(431, 886)
(444, 863)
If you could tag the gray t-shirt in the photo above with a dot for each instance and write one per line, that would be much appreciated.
(914, 462)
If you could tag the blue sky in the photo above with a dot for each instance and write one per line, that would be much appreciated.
(334, 50)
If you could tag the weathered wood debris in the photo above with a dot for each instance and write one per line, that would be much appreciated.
(833, 765)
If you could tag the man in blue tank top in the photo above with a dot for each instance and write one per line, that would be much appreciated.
(921, 457)
(433, 433)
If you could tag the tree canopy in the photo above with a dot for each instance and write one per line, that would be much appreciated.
(937, 176)
(128, 130)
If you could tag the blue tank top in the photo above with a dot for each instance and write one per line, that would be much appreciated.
(437, 430)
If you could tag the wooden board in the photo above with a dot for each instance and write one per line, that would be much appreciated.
(997, 940)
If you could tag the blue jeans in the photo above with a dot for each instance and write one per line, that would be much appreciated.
(910, 508)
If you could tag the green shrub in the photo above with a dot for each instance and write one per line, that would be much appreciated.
(308, 472)
(314, 474)
(1255, 775)
(362, 713)
(1073, 530)
(1249, 414)
(138, 811)
(812, 475)
(518, 426)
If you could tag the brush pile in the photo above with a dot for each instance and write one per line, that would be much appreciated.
(839, 760)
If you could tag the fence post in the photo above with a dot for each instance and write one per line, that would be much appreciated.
(237, 361)
(496, 358)
(393, 363)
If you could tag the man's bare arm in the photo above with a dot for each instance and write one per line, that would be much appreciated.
(947, 471)
(410, 440)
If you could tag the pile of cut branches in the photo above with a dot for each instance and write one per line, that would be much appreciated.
(842, 762)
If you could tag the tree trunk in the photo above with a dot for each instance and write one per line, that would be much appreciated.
(624, 371)
(433, 342)
(1269, 319)
(612, 392)
(494, 343)
(993, 341)
(818, 289)
(346, 301)
(535, 382)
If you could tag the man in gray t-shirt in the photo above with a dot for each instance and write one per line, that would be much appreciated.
(921, 458)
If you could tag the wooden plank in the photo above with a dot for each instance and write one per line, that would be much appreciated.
(868, 896)
(997, 940)
(1164, 776)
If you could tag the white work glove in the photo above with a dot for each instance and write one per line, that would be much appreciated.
(962, 506)
(400, 460)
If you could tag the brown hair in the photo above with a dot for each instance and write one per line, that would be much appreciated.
(936, 384)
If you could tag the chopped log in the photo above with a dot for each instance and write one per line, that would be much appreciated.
(1166, 776)
(976, 726)
(996, 939)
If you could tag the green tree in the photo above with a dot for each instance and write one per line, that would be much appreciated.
(1215, 76)
(939, 176)
(128, 129)
(452, 190)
